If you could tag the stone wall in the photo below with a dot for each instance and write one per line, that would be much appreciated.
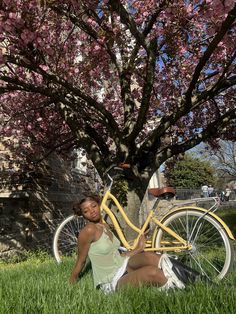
(30, 210)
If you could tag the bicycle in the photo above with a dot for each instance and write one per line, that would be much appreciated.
(196, 235)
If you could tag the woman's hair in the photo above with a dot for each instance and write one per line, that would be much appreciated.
(77, 205)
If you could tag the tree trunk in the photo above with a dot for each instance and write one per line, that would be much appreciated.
(129, 189)
(132, 211)
(134, 195)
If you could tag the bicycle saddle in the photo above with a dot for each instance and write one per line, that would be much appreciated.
(165, 192)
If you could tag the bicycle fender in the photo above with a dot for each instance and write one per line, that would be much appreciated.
(223, 224)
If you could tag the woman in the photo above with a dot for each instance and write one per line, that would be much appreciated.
(112, 269)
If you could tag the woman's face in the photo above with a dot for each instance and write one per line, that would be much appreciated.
(91, 211)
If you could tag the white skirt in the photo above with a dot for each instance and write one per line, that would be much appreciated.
(111, 286)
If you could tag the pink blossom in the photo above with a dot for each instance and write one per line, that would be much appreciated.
(189, 8)
(7, 2)
(12, 15)
(87, 70)
(44, 67)
(27, 36)
(97, 47)
(183, 50)
(8, 26)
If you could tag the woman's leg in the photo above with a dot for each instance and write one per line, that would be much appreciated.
(147, 275)
(143, 259)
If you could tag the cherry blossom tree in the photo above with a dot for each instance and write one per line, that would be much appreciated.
(128, 80)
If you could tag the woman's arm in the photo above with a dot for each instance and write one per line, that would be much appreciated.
(86, 237)
(139, 247)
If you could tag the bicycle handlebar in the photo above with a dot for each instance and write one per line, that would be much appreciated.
(124, 165)
(120, 166)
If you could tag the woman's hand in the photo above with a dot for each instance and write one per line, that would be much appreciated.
(73, 278)
(139, 247)
(141, 243)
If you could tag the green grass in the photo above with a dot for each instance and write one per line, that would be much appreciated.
(229, 217)
(37, 286)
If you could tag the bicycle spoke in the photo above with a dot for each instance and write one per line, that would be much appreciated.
(195, 259)
(210, 263)
(65, 240)
(211, 250)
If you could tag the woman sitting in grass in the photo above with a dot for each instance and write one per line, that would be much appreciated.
(113, 270)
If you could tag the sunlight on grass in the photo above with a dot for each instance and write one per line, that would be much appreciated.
(38, 285)
(42, 287)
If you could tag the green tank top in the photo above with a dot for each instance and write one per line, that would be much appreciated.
(105, 258)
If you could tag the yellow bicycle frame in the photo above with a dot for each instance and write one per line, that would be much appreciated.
(180, 243)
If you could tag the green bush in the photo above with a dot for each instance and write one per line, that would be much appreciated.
(190, 172)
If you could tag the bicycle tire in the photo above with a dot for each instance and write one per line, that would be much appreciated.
(65, 237)
(212, 251)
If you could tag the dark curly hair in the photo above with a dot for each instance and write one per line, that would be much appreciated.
(77, 205)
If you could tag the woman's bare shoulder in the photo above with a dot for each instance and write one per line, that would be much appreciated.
(88, 230)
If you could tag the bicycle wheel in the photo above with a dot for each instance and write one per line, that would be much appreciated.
(66, 235)
(212, 250)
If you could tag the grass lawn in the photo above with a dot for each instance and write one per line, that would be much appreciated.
(39, 285)
(229, 217)
(42, 287)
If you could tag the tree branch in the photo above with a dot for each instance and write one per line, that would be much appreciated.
(85, 27)
(136, 126)
(127, 19)
(97, 139)
(213, 91)
(48, 153)
(196, 101)
(107, 117)
(210, 131)
(227, 23)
